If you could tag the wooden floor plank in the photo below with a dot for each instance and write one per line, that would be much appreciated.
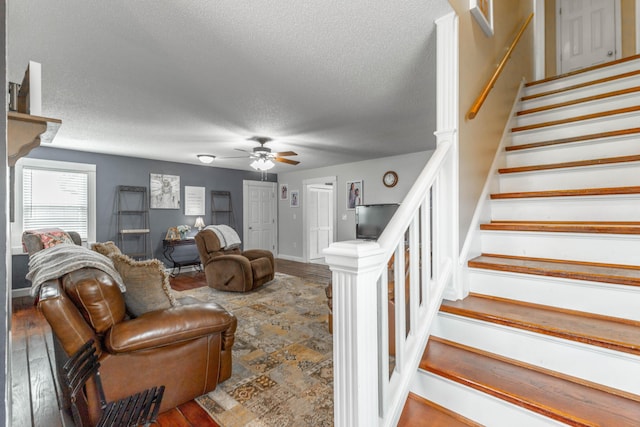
(173, 418)
(419, 412)
(576, 164)
(596, 272)
(578, 138)
(196, 415)
(605, 227)
(43, 392)
(602, 331)
(577, 119)
(529, 387)
(597, 97)
(580, 192)
(581, 85)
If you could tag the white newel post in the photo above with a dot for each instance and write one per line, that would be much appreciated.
(355, 266)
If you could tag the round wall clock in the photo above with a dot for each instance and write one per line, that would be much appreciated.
(390, 179)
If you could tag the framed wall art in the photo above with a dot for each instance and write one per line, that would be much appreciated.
(193, 200)
(482, 10)
(295, 199)
(284, 192)
(165, 191)
(355, 194)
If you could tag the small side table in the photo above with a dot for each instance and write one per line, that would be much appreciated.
(171, 245)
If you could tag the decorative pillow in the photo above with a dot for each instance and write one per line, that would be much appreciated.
(35, 240)
(107, 248)
(147, 283)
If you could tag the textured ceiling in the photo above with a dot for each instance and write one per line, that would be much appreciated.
(334, 81)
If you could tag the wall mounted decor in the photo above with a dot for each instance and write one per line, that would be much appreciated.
(482, 10)
(193, 200)
(165, 191)
(284, 191)
(355, 194)
(295, 199)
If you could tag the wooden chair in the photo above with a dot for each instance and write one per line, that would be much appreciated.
(138, 409)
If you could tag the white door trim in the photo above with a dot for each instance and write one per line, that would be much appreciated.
(637, 26)
(329, 180)
(245, 209)
(538, 40)
(617, 22)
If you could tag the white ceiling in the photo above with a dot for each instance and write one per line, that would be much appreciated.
(334, 81)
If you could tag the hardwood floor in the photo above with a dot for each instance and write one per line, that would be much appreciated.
(35, 388)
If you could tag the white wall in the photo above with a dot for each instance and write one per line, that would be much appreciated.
(290, 229)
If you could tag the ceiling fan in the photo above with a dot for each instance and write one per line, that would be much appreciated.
(264, 158)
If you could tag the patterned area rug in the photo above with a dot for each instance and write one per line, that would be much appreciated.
(282, 356)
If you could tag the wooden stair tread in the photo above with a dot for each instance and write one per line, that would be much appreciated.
(555, 396)
(601, 331)
(613, 133)
(581, 85)
(597, 97)
(575, 164)
(583, 70)
(420, 412)
(607, 191)
(577, 118)
(606, 227)
(597, 272)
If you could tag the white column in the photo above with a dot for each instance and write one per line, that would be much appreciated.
(355, 266)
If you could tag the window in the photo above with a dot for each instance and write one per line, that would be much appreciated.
(54, 194)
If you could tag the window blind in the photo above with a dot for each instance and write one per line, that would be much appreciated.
(55, 199)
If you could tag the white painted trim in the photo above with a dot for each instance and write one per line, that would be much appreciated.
(22, 292)
(618, 22)
(538, 40)
(290, 258)
(637, 26)
(305, 211)
(90, 169)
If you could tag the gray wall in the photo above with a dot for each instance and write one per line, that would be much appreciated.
(5, 267)
(290, 221)
(112, 171)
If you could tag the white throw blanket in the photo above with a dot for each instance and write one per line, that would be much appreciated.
(228, 237)
(56, 261)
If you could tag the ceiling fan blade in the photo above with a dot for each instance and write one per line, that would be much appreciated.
(287, 161)
(244, 151)
(286, 153)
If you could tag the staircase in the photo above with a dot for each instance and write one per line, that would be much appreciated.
(550, 332)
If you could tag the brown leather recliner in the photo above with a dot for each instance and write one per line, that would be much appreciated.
(233, 269)
(187, 348)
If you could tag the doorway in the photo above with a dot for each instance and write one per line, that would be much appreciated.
(319, 217)
(259, 215)
(588, 33)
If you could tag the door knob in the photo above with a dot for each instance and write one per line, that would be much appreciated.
(610, 53)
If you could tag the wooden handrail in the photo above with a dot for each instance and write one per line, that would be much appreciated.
(492, 81)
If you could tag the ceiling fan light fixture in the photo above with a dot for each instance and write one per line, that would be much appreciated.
(262, 164)
(206, 158)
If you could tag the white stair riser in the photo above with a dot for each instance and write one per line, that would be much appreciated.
(595, 176)
(591, 107)
(587, 91)
(605, 248)
(475, 405)
(582, 150)
(571, 358)
(594, 297)
(583, 77)
(582, 127)
(587, 208)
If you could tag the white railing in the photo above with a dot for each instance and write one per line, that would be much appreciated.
(418, 252)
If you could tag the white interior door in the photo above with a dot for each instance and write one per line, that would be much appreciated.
(587, 33)
(259, 215)
(320, 219)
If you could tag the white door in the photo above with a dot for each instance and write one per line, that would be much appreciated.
(259, 215)
(320, 219)
(587, 33)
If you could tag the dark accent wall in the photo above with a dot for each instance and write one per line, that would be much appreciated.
(112, 171)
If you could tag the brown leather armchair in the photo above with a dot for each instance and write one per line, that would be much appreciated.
(187, 348)
(233, 269)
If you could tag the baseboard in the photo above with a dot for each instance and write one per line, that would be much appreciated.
(290, 258)
(22, 292)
